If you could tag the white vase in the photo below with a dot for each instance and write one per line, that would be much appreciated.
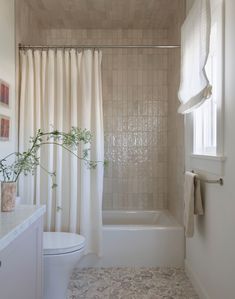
(8, 196)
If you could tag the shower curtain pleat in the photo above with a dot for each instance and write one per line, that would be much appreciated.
(38, 118)
(50, 96)
(73, 160)
(27, 93)
(60, 89)
(59, 126)
(85, 121)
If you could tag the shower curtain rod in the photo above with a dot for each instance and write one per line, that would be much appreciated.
(99, 46)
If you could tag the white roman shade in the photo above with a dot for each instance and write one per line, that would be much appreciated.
(195, 43)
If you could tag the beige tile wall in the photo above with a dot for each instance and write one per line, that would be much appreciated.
(175, 140)
(100, 37)
(135, 122)
(175, 125)
(27, 25)
(105, 14)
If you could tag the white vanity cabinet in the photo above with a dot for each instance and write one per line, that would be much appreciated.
(21, 253)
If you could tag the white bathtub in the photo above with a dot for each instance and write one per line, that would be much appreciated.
(137, 219)
(139, 238)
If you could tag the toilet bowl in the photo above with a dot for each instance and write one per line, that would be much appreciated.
(61, 253)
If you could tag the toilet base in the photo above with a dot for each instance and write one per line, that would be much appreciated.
(57, 272)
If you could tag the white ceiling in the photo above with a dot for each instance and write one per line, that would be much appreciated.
(106, 14)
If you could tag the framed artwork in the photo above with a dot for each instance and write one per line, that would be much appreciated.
(4, 93)
(4, 128)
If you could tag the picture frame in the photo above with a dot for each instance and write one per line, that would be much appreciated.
(4, 128)
(4, 94)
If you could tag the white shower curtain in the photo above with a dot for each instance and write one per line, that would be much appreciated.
(60, 89)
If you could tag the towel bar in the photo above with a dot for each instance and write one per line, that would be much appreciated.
(218, 181)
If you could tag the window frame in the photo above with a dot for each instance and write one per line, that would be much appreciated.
(212, 163)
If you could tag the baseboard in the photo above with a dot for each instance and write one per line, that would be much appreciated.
(195, 281)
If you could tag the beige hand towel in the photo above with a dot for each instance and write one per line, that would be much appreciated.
(198, 209)
(192, 202)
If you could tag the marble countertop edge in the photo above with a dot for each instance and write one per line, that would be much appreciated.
(12, 224)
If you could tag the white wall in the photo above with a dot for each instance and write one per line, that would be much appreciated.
(7, 68)
(210, 254)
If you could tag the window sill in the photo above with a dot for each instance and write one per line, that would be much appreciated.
(208, 164)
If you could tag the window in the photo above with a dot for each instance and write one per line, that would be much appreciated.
(207, 136)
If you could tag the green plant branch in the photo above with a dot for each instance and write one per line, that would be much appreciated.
(26, 156)
(51, 174)
(70, 151)
(3, 171)
(28, 161)
(11, 154)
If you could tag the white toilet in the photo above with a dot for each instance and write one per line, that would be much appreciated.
(61, 252)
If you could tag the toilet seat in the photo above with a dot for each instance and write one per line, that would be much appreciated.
(55, 243)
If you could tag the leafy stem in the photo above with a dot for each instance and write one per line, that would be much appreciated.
(28, 161)
(27, 154)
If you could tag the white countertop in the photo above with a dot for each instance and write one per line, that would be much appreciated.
(12, 224)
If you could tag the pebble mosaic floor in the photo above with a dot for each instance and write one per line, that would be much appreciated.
(130, 283)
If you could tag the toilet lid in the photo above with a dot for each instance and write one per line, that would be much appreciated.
(60, 243)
